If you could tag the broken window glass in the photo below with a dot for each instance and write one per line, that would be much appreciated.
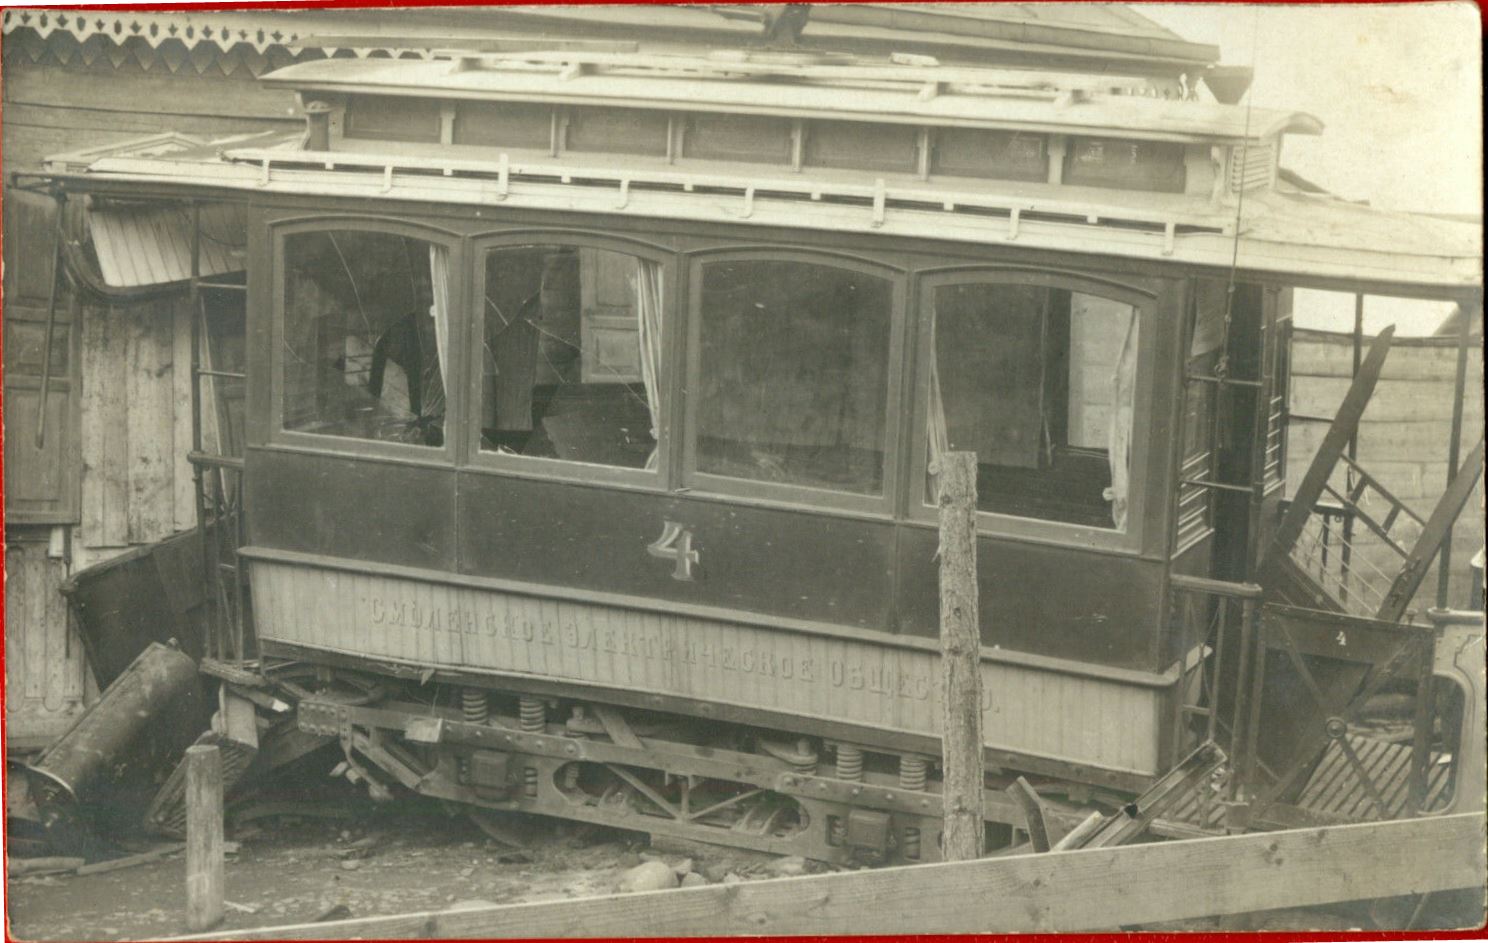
(1038, 382)
(572, 355)
(366, 319)
(793, 379)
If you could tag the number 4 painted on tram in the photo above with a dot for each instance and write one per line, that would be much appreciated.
(675, 543)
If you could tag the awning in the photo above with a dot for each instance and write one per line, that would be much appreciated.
(139, 246)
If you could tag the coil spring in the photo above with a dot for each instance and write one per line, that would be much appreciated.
(474, 705)
(532, 714)
(913, 771)
(849, 763)
(571, 776)
(912, 844)
(529, 780)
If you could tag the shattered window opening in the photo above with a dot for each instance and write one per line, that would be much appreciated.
(366, 328)
(1039, 383)
(571, 360)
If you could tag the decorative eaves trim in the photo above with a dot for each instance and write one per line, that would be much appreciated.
(258, 41)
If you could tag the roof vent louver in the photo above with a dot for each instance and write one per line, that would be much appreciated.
(1252, 166)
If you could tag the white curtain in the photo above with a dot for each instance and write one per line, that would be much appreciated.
(648, 317)
(939, 439)
(1123, 381)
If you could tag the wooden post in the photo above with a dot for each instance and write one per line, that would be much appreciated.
(960, 660)
(204, 852)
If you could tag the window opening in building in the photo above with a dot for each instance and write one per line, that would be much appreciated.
(1038, 382)
(366, 332)
(572, 355)
(793, 378)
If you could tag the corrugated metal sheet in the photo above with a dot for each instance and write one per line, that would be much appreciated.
(141, 246)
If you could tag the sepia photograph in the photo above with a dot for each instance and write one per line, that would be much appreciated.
(655, 470)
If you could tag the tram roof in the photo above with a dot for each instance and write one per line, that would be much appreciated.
(913, 91)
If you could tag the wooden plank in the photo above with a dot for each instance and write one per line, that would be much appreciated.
(1033, 814)
(1432, 535)
(150, 516)
(204, 851)
(960, 649)
(185, 489)
(1101, 889)
(52, 621)
(1318, 473)
(104, 436)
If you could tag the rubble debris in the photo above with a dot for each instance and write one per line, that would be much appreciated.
(290, 809)
(130, 728)
(333, 912)
(787, 867)
(694, 879)
(648, 876)
(241, 908)
(16, 867)
(497, 828)
(129, 861)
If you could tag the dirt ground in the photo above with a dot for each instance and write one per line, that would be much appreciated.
(402, 857)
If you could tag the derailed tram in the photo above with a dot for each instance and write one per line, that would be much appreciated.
(594, 404)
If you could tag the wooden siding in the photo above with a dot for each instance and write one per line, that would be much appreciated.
(45, 680)
(1027, 710)
(136, 425)
(1403, 437)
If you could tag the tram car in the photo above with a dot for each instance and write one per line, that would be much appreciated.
(595, 403)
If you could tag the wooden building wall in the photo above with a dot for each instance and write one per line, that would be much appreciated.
(131, 401)
(1403, 436)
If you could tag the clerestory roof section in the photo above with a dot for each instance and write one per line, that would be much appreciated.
(1306, 237)
(913, 93)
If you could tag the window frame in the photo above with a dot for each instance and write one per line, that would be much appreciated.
(279, 233)
(538, 467)
(991, 523)
(796, 495)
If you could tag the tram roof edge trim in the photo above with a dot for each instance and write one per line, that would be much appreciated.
(926, 95)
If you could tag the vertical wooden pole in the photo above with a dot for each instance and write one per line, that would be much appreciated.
(960, 660)
(204, 852)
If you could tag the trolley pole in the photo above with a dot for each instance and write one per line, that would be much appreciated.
(960, 660)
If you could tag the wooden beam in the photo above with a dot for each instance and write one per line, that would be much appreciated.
(963, 779)
(1100, 889)
(1035, 824)
(204, 851)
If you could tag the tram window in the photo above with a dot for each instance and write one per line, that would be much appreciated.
(793, 376)
(1038, 383)
(572, 355)
(365, 336)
